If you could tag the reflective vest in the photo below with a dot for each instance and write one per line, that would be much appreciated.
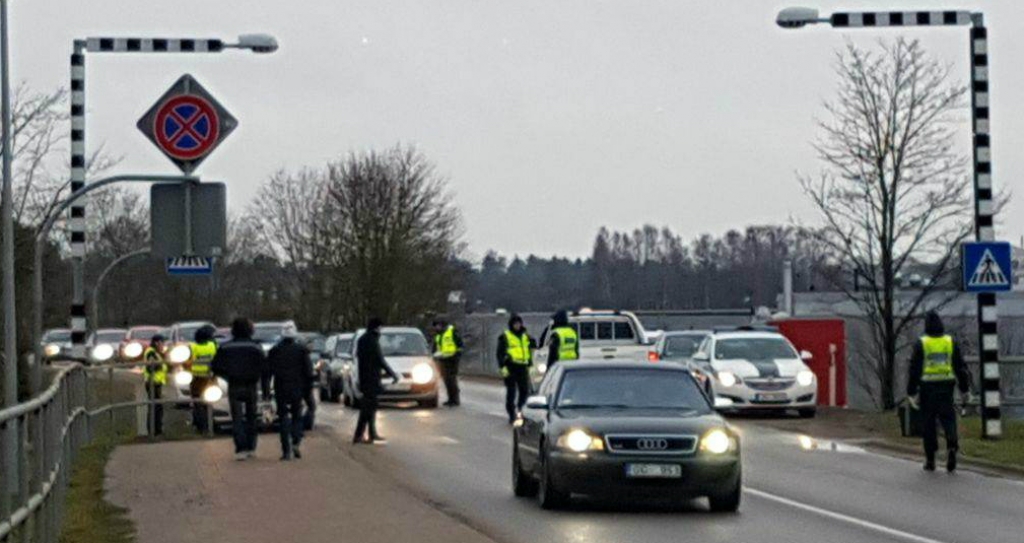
(938, 359)
(518, 348)
(567, 342)
(202, 357)
(155, 371)
(445, 343)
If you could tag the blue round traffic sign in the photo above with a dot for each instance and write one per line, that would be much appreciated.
(186, 126)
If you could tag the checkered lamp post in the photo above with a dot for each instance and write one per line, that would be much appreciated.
(257, 43)
(983, 207)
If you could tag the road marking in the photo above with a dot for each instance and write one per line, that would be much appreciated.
(450, 440)
(907, 536)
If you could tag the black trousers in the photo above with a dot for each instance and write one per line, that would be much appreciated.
(450, 375)
(289, 417)
(518, 381)
(309, 418)
(155, 415)
(937, 409)
(243, 416)
(199, 418)
(367, 416)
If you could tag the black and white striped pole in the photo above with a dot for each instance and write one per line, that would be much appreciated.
(257, 43)
(988, 332)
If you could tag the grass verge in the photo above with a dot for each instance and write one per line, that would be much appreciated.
(89, 517)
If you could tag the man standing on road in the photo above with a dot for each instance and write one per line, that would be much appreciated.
(241, 363)
(515, 356)
(155, 374)
(565, 342)
(371, 363)
(936, 369)
(448, 352)
(204, 348)
(292, 371)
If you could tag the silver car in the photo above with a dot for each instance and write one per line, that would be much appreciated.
(406, 351)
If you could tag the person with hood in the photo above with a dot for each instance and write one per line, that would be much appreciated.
(292, 373)
(565, 342)
(203, 349)
(936, 369)
(448, 352)
(515, 357)
(371, 364)
(242, 364)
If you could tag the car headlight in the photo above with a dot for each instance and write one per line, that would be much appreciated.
(542, 368)
(133, 350)
(422, 373)
(103, 352)
(580, 441)
(212, 394)
(727, 379)
(805, 378)
(179, 354)
(717, 441)
(51, 349)
(183, 378)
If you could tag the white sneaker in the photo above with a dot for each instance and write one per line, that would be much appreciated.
(250, 454)
(241, 456)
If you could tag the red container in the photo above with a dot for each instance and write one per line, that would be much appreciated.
(825, 339)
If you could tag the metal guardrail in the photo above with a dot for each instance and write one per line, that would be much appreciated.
(49, 431)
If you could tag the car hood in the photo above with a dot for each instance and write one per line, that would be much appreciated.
(639, 421)
(404, 364)
(778, 367)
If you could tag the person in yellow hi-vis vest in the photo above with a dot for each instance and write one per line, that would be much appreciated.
(515, 356)
(155, 374)
(565, 342)
(448, 353)
(204, 348)
(936, 369)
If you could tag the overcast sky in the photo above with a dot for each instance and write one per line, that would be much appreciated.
(551, 118)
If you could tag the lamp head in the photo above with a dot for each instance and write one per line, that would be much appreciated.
(258, 43)
(797, 17)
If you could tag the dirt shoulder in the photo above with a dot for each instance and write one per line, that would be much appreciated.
(196, 491)
(880, 430)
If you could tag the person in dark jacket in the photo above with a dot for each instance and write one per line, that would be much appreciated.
(448, 353)
(242, 364)
(291, 370)
(371, 364)
(565, 343)
(936, 369)
(515, 357)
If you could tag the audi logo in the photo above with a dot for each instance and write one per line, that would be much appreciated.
(651, 444)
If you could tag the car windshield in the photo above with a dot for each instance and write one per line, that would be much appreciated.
(188, 333)
(681, 346)
(109, 337)
(343, 347)
(57, 336)
(403, 344)
(315, 344)
(630, 388)
(753, 348)
(144, 333)
(268, 333)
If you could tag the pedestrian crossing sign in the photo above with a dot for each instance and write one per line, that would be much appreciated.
(987, 267)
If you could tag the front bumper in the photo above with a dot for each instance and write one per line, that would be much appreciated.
(404, 392)
(747, 398)
(601, 474)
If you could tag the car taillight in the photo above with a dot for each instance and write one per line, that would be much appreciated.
(652, 356)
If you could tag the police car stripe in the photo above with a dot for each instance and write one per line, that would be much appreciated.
(153, 45)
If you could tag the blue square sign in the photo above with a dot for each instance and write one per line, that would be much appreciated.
(987, 266)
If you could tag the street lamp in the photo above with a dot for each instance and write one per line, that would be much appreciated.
(257, 43)
(984, 209)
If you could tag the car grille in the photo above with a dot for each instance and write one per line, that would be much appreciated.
(650, 444)
(769, 385)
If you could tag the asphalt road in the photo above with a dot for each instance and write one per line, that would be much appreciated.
(796, 489)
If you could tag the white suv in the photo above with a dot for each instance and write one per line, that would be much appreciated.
(758, 370)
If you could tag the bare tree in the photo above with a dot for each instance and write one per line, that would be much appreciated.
(895, 192)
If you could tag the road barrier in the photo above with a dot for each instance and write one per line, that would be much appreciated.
(48, 432)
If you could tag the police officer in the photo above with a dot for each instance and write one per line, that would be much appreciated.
(448, 352)
(204, 349)
(565, 342)
(936, 369)
(515, 357)
(155, 374)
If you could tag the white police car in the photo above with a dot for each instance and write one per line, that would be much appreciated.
(758, 370)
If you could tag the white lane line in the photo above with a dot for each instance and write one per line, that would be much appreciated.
(450, 440)
(907, 536)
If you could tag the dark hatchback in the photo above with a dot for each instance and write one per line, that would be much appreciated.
(624, 430)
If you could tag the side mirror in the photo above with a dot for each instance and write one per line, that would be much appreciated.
(537, 402)
(806, 355)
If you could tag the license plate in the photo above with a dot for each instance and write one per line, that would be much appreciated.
(654, 471)
(399, 388)
(772, 397)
